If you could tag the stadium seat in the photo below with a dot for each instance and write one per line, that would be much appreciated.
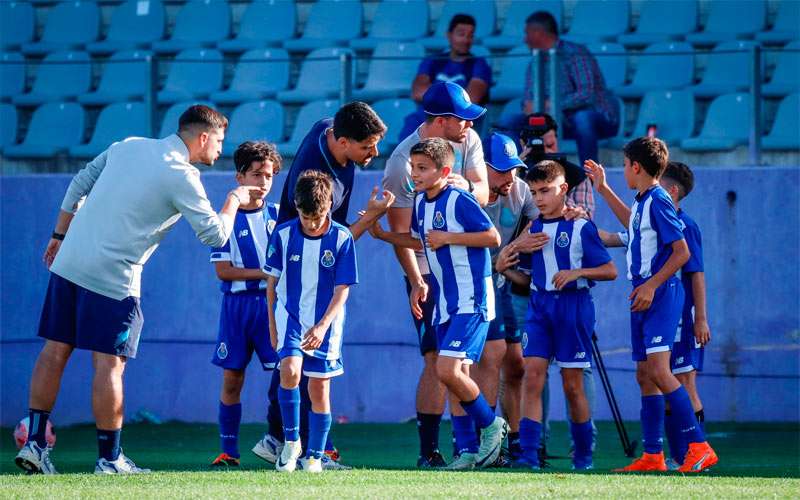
(61, 76)
(659, 69)
(134, 25)
(54, 127)
(726, 71)
(8, 125)
(598, 20)
(12, 75)
(726, 126)
(253, 121)
(730, 20)
(70, 25)
(330, 23)
(260, 74)
(194, 74)
(393, 113)
(783, 134)
(395, 21)
(511, 81)
(391, 77)
(613, 62)
(661, 21)
(320, 77)
(200, 23)
(786, 77)
(671, 111)
(125, 78)
(116, 122)
(17, 24)
(514, 25)
(279, 15)
(481, 10)
(786, 27)
(169, 123)
(309, 114)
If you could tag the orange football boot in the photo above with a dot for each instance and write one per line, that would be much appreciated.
(225, 460)
(700, 457)
(648, 462)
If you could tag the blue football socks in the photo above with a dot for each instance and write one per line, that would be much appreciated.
(480, 411)
(108, 444)
(289, 400)
(319, 424)
(530, 433)
(464, 432)
(677, 446)
(582, 437)
(652, 416)
(230, 416)
(681, 407)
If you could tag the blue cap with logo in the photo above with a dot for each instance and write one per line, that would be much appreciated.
(448, 98)
(500, 153)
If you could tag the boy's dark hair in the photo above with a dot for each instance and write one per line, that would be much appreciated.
(357, 121)
(256, 151)
(650, 152)
(201, 118)
(679, 174)
(546, 171)
(312, 191)
(439, 150)
(549, 122)
(544, 20)
(460, 19)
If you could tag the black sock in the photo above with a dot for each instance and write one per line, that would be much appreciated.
(37, 426)
(701, 416)
(428, 429)
(108, 444)
(513, 444)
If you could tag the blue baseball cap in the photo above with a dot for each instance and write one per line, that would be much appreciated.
(500, 153)
(448, 98)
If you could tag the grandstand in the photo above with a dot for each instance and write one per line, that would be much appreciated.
(694, 67)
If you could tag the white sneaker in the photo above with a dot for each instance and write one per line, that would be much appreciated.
(268, 449)
(122, 465)
(287, 462)
(672, 464)
(35, 460)
(330, 464)
(491, 440)
(310, 464)
(465, 461)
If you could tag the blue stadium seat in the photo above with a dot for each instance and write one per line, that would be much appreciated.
(124, 79)
(194, 74)
(200, 23)
(659, 69)
(393, 113)
(12, 75)
(264, 23)
(512, 107)
(726, 126)
(319, 78)
(309, 114)
(8, 125)
(726, 71)
(54, 128)
(660, 21)
(61, 76)
(481, 10)
(598, 20)
(17, 24)
(116, 122)
(613, 62)
(729, 20)
(391, 77)
(260, 74)
(787, 122)
(786, 77)
(671, 111)
(513, 31)
(134, 25)
(253, 121)
(169, 123)
(70, 25)
(786, 27)
(511, 81)
(394, 21)
(330, 23)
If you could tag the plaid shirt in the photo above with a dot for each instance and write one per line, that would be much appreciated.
(582, 196)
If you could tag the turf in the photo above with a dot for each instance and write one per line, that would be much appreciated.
(757, 460)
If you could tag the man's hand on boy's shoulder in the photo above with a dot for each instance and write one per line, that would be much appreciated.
(575, 212)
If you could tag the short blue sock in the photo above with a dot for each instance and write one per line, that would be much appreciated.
(108, 444)
(37, 426)
(681, 407)
(464, 432)
(677, 446)
(582, 437)
(480, 411)
(319, 424)
(530, 433)
(289, 400)
(652, 415)
(229, 418)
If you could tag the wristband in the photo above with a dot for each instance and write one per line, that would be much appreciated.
(57, 236)
(471, 185)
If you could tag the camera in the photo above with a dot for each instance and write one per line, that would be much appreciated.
(531, 136)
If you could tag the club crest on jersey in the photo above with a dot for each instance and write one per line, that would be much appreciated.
(222, 351)
(636, 220)
(327, 259)
(563, 240)
(524, 340)
(270, 226)
(438, 220)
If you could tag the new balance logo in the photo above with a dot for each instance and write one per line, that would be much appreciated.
(294, 258)
(580, 355)
(656, 340)
(455, 343)
(243, 233)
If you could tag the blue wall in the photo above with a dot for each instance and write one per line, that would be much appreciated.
(749, 218)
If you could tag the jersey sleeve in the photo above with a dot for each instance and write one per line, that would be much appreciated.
(414, 225)
(695, 242)
(397, 180)
(470, 215)
(624, 237)
(221, 254)
(482, 71)
(273, 265)
(425, 67)
(594, 252)
(665, 220)
(346, 266)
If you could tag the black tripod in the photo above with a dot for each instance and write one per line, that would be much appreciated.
(627, 446)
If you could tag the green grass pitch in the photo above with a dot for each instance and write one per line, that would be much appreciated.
(756, 461)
